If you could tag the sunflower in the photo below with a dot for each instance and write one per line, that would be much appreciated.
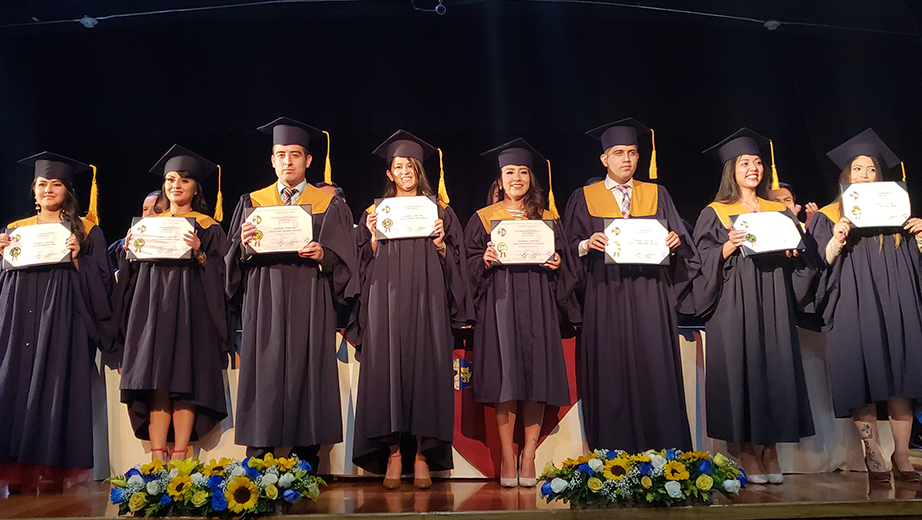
(703, 455)
(178, 487)
(153, 466)
(675, 470)
(616, 468)
(285, 464)
(241, 495)
(216, 468)
(640, 457)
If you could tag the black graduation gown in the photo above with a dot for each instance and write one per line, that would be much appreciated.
(754, 385)
(288, 392)
(872, 308)
(173, 319)
(411, 297)
(52, 319)
(518, 354)
(629, 365)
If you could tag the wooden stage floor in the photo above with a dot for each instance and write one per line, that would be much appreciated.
(831, 495)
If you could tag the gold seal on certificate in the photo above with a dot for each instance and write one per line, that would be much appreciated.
(523, 241)
(406, 217)
(160, 238)
(767, 232)
(875, 204)
(636, 241)
(41, 244)
(280, 229)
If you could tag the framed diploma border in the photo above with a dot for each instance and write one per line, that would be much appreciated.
(37, 245)
(280, 229)
(876, 204)
(636, 241)
(523, 241)
(159, 238)
(406, 217)
(768, 232)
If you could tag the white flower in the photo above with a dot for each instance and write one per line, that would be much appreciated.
(174, 473)
(595, 465)
(199, 480)
(136, 480)
(269, 478)
(238, 472)
(657, 460)
(153, 487)
(732, 486)
(286, 480)
(558, 485)
(674, 489)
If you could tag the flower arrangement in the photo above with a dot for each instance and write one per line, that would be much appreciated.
(225, 488)
(652, 478)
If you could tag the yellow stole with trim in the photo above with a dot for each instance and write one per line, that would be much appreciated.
(833, 211)
(601, 202)
(203, 220)
(498, 211)
(269, 196)
(88, 225)
(725, 211)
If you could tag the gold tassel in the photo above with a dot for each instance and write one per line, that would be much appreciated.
(327, 168)
(551, 205)
(443, 193)
(775, 184)
(93, 213)
(903, 167)
(653, 156)
(219, 204)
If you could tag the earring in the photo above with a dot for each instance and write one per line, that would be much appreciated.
(38, 207)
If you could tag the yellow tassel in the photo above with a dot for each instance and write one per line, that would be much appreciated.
(219, 204)
(327, 168)
(93, 213)
(775, 184)
(653, 156)
(551, 205)
(443, 193)
(903, 167)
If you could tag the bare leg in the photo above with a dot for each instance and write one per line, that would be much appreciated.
(505, 423)
(749, 461)
(900, 412)
(770, 459)
(160, 411)
(183, 421)
(534, 414)
(866, 421)
(394, 464)
(421, 477)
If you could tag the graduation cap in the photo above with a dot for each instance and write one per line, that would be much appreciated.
(624, 132)
(743, 142)
(865, 143)
(50, 165)
(520, 153)
(404, 144)
(287, 131)
(178, 159)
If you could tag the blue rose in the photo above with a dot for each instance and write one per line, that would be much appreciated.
(165, 500)
(130, 472)
(117, 495)
(645, 468)
(218, 502)
(546, 489)
(742, 478)
(253, 473)
(150, 477)
(612, 454)
(586, 469)
(670, 454)
(705, 467)
(290, 496)
(214, 482)
(305, 466)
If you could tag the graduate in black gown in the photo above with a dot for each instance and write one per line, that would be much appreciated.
(872, 308)
(518, 354)
(154, 203)
(174, 321)
(755, 389)
(289, 384)
(413, 291)
(52, 319)
(629, 364)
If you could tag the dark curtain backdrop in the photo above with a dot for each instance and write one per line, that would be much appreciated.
(120, 94)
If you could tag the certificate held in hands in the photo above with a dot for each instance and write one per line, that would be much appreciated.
(406, 217)
(160, 238)
(767, 232)
(875, 204)
(636, 241)
(41, 244)
(523, 241)
(280, 229)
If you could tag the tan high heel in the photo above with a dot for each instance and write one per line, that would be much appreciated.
(421, 483)
(393, 483)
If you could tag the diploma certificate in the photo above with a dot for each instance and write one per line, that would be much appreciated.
(875, 204)
(768, 231)
(280, 229)
(406, 217)
(41, 244)
(636, 241)
(523, 241)
(160, 238)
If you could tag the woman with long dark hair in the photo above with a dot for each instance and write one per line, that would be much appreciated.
(413, 291)
(755, 388)
(52, 318)
(518, 355)
(174, 321)
(872, 308)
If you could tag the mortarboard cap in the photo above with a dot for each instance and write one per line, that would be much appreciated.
(743, 141)
(287, 131)
(520, 153)
(865, 143)
(178, 158)
(623, 132)
(404, 144)
(53, 166)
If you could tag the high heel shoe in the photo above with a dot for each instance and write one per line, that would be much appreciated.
(527, 481)
(908, 476)
(508, 482)
(421, 483)
(876, 476)
(772, 478)
(393, 483)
